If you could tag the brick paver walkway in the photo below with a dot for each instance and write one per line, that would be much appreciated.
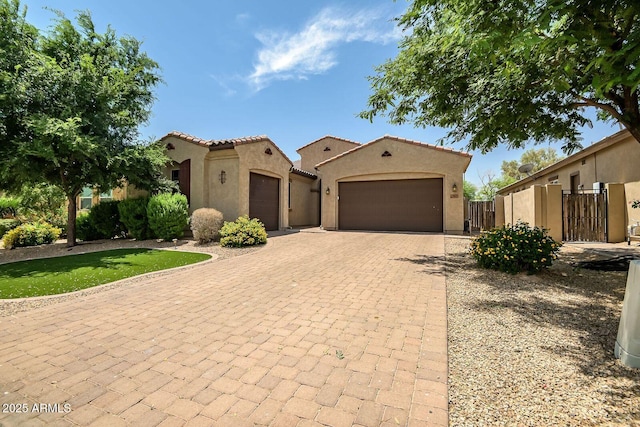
(331, 328)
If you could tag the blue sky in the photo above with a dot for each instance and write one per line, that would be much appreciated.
(293, 70)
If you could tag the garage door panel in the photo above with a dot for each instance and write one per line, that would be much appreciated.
(264, 200)
(393, 205)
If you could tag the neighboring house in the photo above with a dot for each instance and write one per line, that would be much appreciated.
(387, 184)
(90, 197)
(613, 159)
(568, 197)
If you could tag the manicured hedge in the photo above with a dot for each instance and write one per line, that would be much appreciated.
(168, 215)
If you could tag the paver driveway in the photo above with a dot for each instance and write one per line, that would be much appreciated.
(315, 329)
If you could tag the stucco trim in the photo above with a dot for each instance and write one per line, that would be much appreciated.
(328, 137)
(403, 140)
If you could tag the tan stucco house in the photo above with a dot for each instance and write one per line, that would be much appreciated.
(613, 159)
(608, 168)
(389, 184)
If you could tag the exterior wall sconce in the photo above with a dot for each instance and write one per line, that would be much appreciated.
(223, 177)
(327, 191)
(454, 188)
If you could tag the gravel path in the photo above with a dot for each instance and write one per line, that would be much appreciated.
(536, 350)
(9, 307)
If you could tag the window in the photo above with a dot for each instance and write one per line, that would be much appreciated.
(86, 198)
(175, 175)
(105, 197)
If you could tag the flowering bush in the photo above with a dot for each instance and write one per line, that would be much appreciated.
(243, 232)
(205, 224)
(31, 234)
(514, 249)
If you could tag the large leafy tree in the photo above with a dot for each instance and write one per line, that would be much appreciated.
(513, 71)
(71, 105)
(538, 159)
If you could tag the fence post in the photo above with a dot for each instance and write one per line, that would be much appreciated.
(554, 211)
(499, 207)
(616, 213)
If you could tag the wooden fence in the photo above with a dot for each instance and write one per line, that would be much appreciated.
(482, 215)
(584, 216)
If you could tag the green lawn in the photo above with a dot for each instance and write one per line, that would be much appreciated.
(60, 275)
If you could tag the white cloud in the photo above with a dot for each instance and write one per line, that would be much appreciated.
(312, 50)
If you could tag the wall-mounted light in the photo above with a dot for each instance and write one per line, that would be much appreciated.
(327, 191)
(454, 188)
(223, 177)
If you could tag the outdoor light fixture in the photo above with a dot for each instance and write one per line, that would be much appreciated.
(223, 177)
(328, 191)
(454, 188)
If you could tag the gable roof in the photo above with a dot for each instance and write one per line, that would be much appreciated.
(593, 148)
(397, 138)
(221, 144)
(329, 136)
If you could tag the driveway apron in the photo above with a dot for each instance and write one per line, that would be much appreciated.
(333, 328)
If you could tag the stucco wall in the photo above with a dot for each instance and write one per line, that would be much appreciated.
(632, 192)
(224, 197)
(407, 161)
(199, 183)
(538, 206)
(252, 158)
(616, 213)
(315, 153)
(304, 209)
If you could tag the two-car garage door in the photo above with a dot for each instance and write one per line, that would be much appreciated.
(391, 205)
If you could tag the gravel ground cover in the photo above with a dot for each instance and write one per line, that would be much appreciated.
(9, 307)
(536, 350)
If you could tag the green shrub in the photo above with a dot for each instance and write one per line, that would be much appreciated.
(105, 218)
(85, 230)
(133, 214)
(43, 202)
(243, 232)
(168, 215)
(515, 249)
(31, 234)
(9, 207)
(7, 225)
(206, 224)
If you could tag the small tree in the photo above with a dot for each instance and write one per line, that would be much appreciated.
(538, 158)
(470, 190)
(491, 184)
(72, 103)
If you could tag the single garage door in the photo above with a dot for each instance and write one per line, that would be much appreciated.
(395, 205)
(264, 200)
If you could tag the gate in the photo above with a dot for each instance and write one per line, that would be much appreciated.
(584, 216)
(482, 215)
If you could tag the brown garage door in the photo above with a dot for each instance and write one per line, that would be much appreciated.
(264, 200)
(396, 205)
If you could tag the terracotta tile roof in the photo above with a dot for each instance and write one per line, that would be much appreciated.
(301, 172)
(187, 137)
(329, 136)
(224, 143)
(240, 141)
(397, 138)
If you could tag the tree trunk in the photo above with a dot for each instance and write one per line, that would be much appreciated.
(635, 132)
(71, 221)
